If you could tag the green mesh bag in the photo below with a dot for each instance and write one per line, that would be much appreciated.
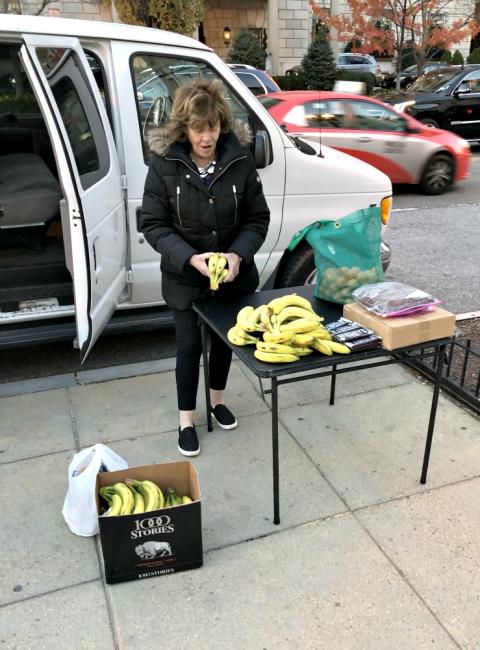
(347, 253)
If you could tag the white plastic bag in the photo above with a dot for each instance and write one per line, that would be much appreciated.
(80, 508)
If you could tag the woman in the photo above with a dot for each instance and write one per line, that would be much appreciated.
(202, 196)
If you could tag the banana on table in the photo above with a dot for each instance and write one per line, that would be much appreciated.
(133, 497)
(289, 329)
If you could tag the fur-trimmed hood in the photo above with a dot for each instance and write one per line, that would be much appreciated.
(158, 143)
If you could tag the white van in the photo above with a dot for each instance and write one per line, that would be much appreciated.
(78, 100)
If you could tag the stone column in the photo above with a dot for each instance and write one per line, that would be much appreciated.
(293, 32)
(334, 44)
(272, 44)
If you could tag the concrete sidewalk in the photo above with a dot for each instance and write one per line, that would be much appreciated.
(364, 557)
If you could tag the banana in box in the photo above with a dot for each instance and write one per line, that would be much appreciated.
(161, 535)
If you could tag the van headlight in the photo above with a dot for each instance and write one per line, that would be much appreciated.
(401, 106)
(385, 209)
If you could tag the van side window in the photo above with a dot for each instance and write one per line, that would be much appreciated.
(79, 113)
(98, 72)
(155, 80)
(77, 126)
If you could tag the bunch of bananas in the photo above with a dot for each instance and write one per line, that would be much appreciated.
(289, 327)
(217, 270)
(134, 497)
(173, 499)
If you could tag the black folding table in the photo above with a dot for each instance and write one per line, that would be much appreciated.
(220, 316)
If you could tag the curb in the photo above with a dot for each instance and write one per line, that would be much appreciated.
(84, 377)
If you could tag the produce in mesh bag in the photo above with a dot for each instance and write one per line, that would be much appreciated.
(337, 284)
(394, 299)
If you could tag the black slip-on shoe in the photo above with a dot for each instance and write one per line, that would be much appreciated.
(224, 417)
(188, 444)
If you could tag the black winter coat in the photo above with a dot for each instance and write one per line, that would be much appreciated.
(182, 216)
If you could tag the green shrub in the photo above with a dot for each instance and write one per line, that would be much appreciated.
(457, 58)
(246, 49)
(365, 77)
(291, 82)
(382, 92)
(474, 56)
(25, 104)
(318, 65)
(446, 57)
(298, 82)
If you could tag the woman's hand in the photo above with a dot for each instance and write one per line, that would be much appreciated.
(234, 261)
(200, 262)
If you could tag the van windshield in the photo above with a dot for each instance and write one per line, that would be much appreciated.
(156, 78)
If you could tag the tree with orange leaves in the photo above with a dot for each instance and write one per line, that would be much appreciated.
(394, 25)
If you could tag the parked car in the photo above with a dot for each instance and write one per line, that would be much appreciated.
(295, 71)
(360, 63)
(398, 145)
(258, 81)
(149, 87)
(446, 98)
(409, 75)
(73, 261)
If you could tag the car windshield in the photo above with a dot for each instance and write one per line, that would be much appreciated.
(433, 82)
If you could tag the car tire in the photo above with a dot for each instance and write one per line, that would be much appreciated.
(438, 174)
(428, 121)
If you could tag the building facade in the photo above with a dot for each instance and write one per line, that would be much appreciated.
(283, 26)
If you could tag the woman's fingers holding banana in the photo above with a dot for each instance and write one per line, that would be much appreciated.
(233, 265)
(200, 262)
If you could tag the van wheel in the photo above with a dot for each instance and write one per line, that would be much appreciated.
(299, 268)
(437, 175)
(429, 122)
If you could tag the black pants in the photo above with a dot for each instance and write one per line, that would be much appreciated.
(189, 351)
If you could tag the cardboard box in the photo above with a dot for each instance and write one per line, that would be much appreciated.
(401, 331)
(157, 542)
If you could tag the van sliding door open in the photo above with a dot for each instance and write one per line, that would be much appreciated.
(93, 211)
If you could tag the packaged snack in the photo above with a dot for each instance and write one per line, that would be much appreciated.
(357, 333)
(341, 322)
(345, 330)
(387, 299)
(366, 343)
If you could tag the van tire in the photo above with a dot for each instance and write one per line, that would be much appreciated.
(299, 269)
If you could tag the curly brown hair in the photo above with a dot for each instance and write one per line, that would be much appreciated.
(197, 104)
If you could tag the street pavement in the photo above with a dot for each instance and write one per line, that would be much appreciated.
(364, 557)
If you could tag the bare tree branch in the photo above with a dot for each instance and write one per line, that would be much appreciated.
(42, 7)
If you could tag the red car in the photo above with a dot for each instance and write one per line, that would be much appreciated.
(366, 128)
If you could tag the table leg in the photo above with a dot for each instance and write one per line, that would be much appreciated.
(439, 356)
(276, 496)
(206, 375)
(262, 392)
(332, 384)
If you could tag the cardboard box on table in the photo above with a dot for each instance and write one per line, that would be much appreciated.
(157, 542)
(401, 331)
